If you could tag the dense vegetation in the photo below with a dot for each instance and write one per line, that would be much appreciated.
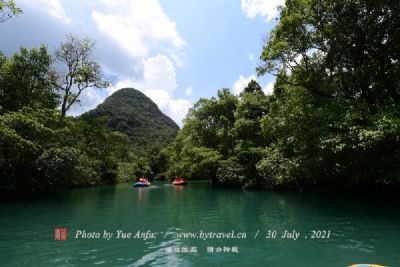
(38, 155)
(334, 117)
(131, 112)
(42, 150)
(332, 121)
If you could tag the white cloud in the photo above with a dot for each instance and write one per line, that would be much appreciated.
(121, 31)
(178, 109)
(159, 74)
(137, 45)
(264, 8)
(242, 82)
(56, 9)
(141, 28)
(138, 26)
(161, 98)
(112, 3)
(150, 17)
(178, 57)
(269, 88)
(159, 84)
(251, 57)
(52, 7)
(189, 91)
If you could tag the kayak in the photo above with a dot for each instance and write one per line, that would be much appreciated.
(141, 184)
(366, 265)
(179, 183)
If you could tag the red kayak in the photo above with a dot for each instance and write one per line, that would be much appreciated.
(179, 181)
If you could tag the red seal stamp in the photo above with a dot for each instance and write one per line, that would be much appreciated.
(60, 233)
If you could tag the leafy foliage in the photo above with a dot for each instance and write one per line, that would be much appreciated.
(80, 72)
(221, 139)
(8, 9)
(24, 80)
(338, 49)
(65, 166)
(337, 65)
(37, 155)
(333, 120)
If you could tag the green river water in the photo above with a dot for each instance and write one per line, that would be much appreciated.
(357, 230)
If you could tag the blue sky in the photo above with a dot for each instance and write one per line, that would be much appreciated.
(172, 50)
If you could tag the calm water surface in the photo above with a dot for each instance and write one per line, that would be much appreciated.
(361, 230)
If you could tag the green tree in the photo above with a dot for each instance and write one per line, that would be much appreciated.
(22, 140)
(231, 173)
(156, 157)
(211, 120)
(336, 93)
(79, 71)
(103, 147)
(37, 155)
(8, 9)
(249, 141)
(205, 139)
(253, 87)
(338, 49)
(64, 167)
(24, 80)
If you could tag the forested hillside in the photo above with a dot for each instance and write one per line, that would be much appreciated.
(131, 112)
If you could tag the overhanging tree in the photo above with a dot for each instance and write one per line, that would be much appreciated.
(334, 118)
(8, 9)
(342, 49)
(77, 71)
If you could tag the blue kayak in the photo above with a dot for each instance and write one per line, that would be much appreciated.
(141, 184)
(366, 265)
